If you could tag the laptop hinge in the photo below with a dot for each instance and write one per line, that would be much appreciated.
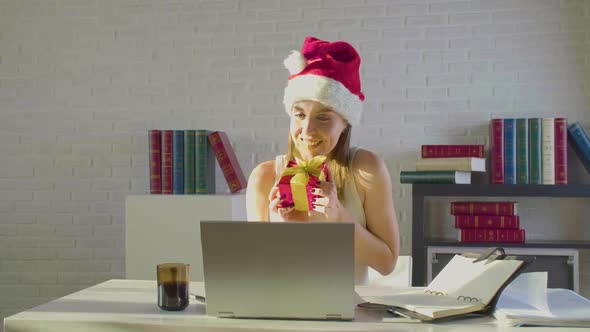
(334, 316)
(225, 314)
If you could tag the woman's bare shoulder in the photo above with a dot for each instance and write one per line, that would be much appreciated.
(369, 170)
(367, 161)
(263, 174)
(260, 183)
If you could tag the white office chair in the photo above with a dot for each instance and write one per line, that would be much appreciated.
(401, 275)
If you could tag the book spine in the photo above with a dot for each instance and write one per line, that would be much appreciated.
(548, 132)
(522, 151)
(497, 150)
(535, 152)
(211, 161)
(449, 164)
(509, 151)
(167, 136)
(205, 170)
(548, 143)
(483, 235)
(189, 162)
(580, 143)
(178, 162)
(560, 150)
(453, 151)
(439, 177)
(155, 155)
(486, 221)
(485, 208)
(226, 157)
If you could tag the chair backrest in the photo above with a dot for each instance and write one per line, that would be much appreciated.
(401, 275)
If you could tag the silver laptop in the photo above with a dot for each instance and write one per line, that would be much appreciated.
(278, 270)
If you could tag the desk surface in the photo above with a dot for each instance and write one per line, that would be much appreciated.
(117, 305)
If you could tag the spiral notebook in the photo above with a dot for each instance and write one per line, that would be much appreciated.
(465, 285)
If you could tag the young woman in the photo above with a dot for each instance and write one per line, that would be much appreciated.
(323, 99)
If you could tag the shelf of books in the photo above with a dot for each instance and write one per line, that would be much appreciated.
(527, 244)
(498, 190)
(527, 158)
(521, 151)
(182, 162)
(484, 223)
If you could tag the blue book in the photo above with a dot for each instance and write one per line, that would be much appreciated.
(580, 142)
(509, 151)
(178, 162)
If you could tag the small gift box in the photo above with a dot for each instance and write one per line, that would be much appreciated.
(298, 181)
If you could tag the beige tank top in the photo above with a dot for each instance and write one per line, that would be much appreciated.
(352, 202)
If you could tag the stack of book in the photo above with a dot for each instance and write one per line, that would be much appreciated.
(183, 162)
(446, 164)
(486, 222)
(529, 151)
(580, 143)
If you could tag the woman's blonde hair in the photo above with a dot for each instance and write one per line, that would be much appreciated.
(337, 161)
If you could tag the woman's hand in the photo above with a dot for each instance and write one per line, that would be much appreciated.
(328, 203)
(287, 213)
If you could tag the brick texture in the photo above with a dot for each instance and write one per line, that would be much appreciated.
(81, 82)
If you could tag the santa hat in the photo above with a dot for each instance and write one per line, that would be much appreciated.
(326, 72)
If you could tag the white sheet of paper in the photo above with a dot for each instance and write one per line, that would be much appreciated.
(527, 290)
(528, 298)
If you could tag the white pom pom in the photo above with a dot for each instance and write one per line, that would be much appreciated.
(295, 62)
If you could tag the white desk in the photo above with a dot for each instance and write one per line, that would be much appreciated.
(130, 305)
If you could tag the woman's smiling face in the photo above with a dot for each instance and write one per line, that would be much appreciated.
(315, 129)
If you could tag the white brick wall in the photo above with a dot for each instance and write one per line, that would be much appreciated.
(82, 81)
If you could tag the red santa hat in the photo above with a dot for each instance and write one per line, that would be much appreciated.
(326, 72)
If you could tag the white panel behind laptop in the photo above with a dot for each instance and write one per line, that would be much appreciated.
(165, 228)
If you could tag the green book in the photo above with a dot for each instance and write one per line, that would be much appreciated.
(535, 151)
(189, 162)
(440, 177)
(204, 164)
(522, 151)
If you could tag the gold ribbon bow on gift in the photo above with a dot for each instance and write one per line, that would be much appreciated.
(301, 173)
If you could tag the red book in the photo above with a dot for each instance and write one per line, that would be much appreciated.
(486, 208)
(497, 150)
(155, 154)
(486, 221)
(226, 157)
(487, 235)
(452, 151)
(167, 161)
(560, 150)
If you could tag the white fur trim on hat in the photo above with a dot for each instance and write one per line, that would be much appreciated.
(327, 91)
